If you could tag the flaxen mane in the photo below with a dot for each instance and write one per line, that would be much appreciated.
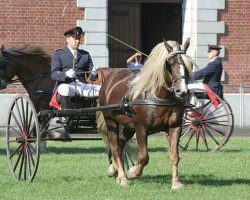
(153, 76)
(189, 63)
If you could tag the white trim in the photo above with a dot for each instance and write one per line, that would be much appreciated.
(95, 26)
(200, 23)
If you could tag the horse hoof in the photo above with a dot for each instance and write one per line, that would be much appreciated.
(123, 182)
(131, 173)
(176, 186)
(111, 170)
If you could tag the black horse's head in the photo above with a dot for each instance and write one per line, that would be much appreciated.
(27, 62)
(4, 62)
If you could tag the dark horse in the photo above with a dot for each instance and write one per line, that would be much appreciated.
(31, 64)
(154, 107)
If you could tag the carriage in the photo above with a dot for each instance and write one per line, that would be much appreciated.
(29, 118)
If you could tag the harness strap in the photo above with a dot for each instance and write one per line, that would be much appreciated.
(157, 102)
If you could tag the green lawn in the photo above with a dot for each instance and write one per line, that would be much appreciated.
(77, 170)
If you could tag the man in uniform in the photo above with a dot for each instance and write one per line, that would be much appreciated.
(211, 73)
(67, 65)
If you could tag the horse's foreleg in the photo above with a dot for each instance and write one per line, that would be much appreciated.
(174, 134)
(113, 137)
(136, 171)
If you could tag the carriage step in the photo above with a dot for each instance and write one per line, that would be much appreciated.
(83, 121)
(80, 130)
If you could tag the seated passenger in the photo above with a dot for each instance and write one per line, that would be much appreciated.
(134, 62)
(211, 73)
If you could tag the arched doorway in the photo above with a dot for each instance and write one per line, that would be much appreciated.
(141, 24)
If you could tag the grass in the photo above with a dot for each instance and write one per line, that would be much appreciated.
(77, 170)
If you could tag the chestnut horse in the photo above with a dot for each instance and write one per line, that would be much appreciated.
(154, 106)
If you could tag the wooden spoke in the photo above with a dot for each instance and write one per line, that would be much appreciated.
(213, 125)
(23, 139)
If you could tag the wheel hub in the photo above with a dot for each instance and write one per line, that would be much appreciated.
(198, 119)
(21, 139)
(196, 122)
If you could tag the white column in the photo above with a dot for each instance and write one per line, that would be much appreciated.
(95, 26)
(201, 24)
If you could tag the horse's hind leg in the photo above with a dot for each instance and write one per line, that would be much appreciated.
(174, 136)
(113, 137)
(136, 171)
(124, 155)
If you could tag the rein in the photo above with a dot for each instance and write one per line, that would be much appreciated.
(4, 83)
(45, 75)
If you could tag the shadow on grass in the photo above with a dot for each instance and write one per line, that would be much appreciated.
(166, 149)
(2, 151)
(196, 179)
(75, 150)
(216, 151)
(158, 149)
(233, 150)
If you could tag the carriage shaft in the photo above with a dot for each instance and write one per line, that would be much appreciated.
(79, 112)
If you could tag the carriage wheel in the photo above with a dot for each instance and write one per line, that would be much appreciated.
(206, 127)
(22, 138)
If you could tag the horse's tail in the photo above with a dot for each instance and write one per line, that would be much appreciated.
(131, 147)
(102, 127)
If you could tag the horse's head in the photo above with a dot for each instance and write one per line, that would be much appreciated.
(163, 70)
(176, 66)
(28, 62)
(6, 74)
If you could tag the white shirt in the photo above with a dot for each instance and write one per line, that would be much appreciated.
(74, 52)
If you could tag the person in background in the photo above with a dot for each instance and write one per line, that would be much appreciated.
(67, 65)
(134, 62)
(211, 73)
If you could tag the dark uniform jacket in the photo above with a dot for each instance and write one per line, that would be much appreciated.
(62, 61)
(211, 75)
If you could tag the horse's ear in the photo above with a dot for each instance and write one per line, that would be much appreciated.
(186, 44)
(168, 47)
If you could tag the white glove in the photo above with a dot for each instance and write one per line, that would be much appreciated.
(70, 73)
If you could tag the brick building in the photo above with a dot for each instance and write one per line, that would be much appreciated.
(225, 22)
(236, 39)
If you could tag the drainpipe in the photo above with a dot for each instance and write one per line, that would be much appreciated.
(241, 90)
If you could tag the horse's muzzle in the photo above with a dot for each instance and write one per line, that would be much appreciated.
(3, 84)
(182, 90)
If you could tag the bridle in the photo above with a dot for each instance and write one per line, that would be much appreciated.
(182, 76)
(4, 61)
